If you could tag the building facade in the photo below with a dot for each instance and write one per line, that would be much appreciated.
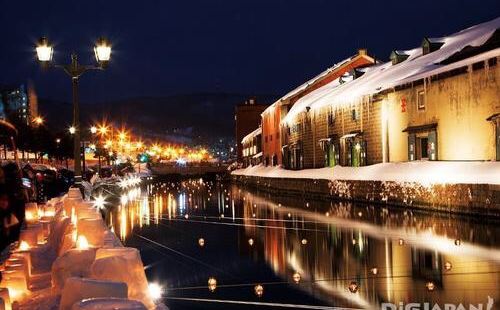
(438, 101)
(314, 138)
(19, 103)
(247, 118)
(284, 146)
(252, 148)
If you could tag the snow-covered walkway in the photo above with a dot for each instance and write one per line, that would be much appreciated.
(423, 172)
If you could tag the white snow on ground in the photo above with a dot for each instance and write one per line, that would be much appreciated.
(423, 172)
(381, 77)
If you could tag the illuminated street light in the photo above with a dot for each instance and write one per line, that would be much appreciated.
(103, 130)
(58, 140)
(72, 130)
(44, 52)
(93, 129)
(38, 120)
(102, 51)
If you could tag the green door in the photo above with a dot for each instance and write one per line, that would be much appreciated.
(355, 154)
(331, 155)
(432, 145)
(497, 130)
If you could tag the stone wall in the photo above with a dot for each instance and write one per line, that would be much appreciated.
(470, 199)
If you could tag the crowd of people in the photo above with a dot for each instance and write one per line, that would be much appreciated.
(21, 184)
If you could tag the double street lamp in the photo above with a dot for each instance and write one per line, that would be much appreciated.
(102, 50)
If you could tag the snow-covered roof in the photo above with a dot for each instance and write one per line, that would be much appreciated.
(304, 86)
(251, 135)
(385, 76)
(314, 79)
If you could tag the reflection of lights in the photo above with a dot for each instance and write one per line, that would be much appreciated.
(430, 286)
(123, 199)
(374, 270)
(82, 243)
(250, 241)
(155, 290)
(201, 242)
(296, 277)
(304, 241)
(448, 266)
(353, 287)
(24, 246)
(259, 290)
(212, 284)
(401, 242)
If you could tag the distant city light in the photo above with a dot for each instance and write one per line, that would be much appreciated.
(72, 130)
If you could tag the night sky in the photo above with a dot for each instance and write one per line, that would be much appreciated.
(169, 47)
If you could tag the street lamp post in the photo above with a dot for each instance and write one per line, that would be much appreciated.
(102, 50)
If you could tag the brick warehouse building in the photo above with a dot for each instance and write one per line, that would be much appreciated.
(438, 101)
(421, 105)
(247, 118)
(277, 147)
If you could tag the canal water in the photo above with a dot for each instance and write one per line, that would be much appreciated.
(302, 253)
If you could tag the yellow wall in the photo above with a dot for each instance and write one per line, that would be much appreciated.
(459, 105)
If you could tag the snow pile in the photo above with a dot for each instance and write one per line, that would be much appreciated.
(385, 76)
(422, 172)
(71, 255)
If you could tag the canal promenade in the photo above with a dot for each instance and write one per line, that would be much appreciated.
(67, 258)
(471, 188)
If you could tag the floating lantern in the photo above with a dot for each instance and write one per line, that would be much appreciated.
(259, 290)
(201, 242)
(353, 287)
(304, 241)
(82, 243)
(212, 284)
(296, 277)
(448, 266)
(430, 286)
(374, 271)
(155, 290)
(250, 241)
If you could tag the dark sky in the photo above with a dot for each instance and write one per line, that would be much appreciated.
(164, 47)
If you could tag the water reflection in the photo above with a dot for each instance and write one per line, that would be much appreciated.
(345, 254)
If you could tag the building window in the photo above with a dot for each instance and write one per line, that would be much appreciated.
(331, 118)
(421, 100)
(355, 114)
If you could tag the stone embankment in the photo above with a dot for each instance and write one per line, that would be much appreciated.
(68, 259)
(469, 199)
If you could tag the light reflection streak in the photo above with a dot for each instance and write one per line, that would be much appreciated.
(283, 251)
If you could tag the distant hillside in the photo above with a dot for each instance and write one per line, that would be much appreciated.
(181, 116)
